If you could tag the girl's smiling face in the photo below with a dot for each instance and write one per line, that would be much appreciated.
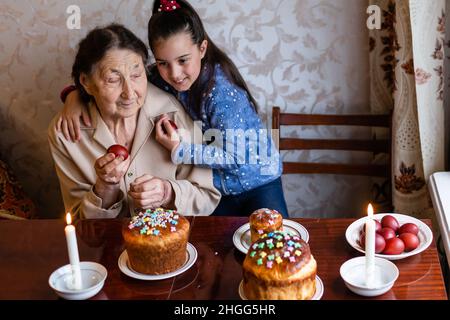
(178, 60)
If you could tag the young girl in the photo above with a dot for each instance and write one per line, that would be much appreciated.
(210, 88)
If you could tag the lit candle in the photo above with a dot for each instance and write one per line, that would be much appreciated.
(72, 249)
(370, 247)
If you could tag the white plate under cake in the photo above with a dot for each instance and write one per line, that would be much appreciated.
(242, 239)
(124, 266)
(156, 241)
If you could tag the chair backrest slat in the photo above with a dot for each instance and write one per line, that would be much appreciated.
(374, 145)
(334, 168)
(335, 120)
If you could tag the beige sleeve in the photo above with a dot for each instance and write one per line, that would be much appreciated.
(192, 195)
(77, 193)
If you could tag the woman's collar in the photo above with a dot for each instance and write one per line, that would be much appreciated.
(159, 102)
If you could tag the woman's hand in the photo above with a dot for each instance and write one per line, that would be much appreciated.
(110, 170)
(167, 137)
(149, 192)
(69, 121)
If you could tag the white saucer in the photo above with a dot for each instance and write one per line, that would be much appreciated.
(191, 257)
(425, 235)
(353, 273)
(241, 237)
(93, 277)
(317, 295)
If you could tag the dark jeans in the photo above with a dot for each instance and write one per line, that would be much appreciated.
(267, 196)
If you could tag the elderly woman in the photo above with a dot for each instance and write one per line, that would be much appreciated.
(109, 70)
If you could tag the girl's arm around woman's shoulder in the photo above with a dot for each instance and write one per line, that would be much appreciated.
(235, 128)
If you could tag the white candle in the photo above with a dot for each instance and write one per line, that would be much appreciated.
(370, 247)
(72, 249)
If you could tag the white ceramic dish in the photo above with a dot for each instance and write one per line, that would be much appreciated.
(425, 235)
(353, 273)
(241, 237)
(93, 277)
(317, 295)
(440, 195)
(191, 257)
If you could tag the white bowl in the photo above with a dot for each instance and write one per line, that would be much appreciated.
(93, 277)
(425, 235)
(353, 273)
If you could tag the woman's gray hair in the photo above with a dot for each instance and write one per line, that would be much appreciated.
(95, 46)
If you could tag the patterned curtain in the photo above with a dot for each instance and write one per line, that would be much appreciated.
(406, 64)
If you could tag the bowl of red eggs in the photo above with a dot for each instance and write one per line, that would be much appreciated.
(397, 235)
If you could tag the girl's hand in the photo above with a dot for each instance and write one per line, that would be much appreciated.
(69, 121)
(149, 192)
(169, 137)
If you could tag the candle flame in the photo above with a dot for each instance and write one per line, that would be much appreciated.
(370, 210)
(68, 218)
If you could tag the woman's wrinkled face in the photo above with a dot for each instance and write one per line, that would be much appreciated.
(118, 83)
(179, 60)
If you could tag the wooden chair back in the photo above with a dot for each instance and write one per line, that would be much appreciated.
(372, 145)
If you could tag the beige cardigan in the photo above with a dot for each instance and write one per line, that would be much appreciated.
(193, 186)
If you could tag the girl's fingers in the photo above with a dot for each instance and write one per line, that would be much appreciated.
(163, 116)
(159, 131)
(71, 131)
(76, 130)
(86, 118)
(169, 129)
(58, 124)
(65, 131)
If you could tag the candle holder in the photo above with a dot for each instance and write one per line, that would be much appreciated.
(93, 277)
(384, 277)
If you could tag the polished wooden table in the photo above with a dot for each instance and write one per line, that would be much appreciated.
(31, 250)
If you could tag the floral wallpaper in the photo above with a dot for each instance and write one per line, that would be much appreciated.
(302, 55)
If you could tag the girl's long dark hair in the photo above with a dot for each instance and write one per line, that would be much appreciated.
(164, 24)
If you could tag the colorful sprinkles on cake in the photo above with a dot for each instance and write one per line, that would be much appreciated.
(265, 213)
(275, 247)
(152, 222)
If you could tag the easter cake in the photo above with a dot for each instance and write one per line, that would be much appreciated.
(263, 221)
(156, 241)
(279, 266)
